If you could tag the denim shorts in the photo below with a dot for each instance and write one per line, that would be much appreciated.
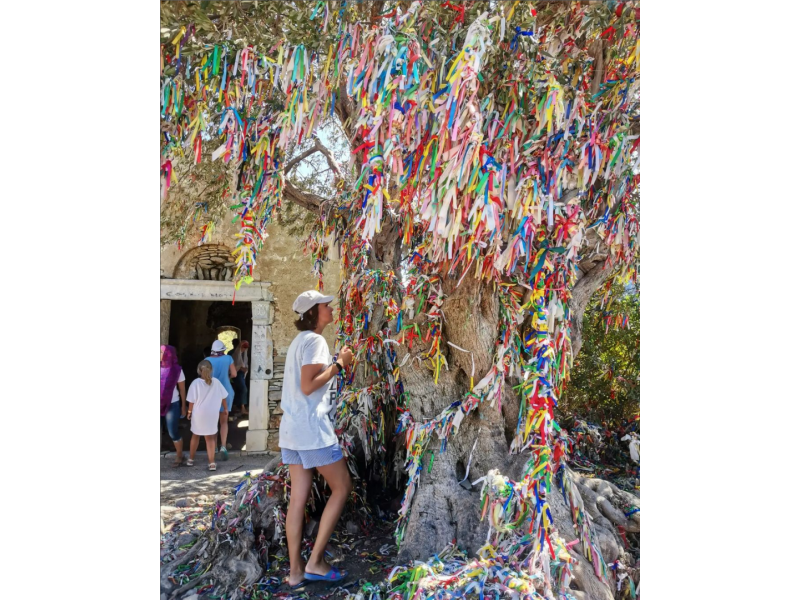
(312, 458)
(173, 418)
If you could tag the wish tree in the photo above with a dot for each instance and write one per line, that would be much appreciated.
(491, 188)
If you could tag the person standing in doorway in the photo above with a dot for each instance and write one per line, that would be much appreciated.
(240, 361)
(173, 391)
(307, 439)
(206, 401)
(224, 371)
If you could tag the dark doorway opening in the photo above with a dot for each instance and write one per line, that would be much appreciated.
(193, 326)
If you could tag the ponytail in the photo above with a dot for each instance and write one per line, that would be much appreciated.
(204, 369)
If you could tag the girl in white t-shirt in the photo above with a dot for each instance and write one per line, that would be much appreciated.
(206, 396)
(307, 439)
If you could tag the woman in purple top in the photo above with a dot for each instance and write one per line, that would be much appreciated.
(173, 390)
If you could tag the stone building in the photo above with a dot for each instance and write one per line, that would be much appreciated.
(197, 305)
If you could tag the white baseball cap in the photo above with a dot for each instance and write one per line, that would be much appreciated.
(218, 346)
(309, 299)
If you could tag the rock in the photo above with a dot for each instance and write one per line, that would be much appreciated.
(278, 409)
(275, 395)
(191, 597)
(184, 502)
(230, 264)
(312, 528)
(229, 276)
(217, 259)
(608, 545)
(352, 528)
(185, 538)
(206, 274)
(199, 271)
(273, 463)
(206, 264)
(214, 274)
(223, 274)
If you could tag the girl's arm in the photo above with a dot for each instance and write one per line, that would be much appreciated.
(189, 414)
(232, 371)
(313, 377)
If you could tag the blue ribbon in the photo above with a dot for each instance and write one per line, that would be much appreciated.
(519, 32)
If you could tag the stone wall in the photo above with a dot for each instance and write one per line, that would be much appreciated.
(209, 262)
(280, 262)
(274, 401)
(285, 272)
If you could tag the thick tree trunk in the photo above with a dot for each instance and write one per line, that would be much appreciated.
(446, 508)
(443, 511)
(593, 277)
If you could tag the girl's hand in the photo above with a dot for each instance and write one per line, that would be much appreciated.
(346, 356)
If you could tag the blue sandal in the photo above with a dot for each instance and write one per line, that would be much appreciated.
(333, 575)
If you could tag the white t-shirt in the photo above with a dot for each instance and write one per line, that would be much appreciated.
(206, 401)
(175, 394)
(305, 424)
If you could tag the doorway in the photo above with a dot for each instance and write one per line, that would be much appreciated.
(193, 326)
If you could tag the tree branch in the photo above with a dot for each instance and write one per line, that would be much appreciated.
(307, 200)
(293, 163)
(337, 171)
(581, 294)
(597, 51)
(322, 149)
(346, 110)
